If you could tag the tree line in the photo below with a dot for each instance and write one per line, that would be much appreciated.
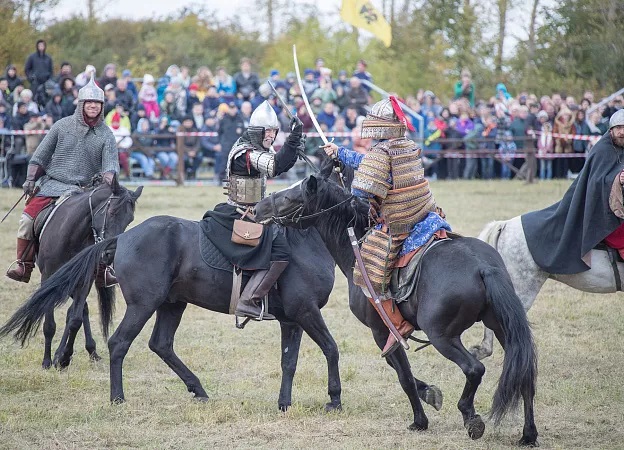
(570, 45)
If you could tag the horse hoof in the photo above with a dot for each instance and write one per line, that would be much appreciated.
(528, 442)
(62, 363)
(479, 352)
(46, 364)
(330, 407)
(118, 401)
(283, 408)
(433, 397)
(475, 427)
(94, 357)
(419, 427)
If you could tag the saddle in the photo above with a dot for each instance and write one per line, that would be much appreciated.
(614, 258)
(44, 216)
(404, 280)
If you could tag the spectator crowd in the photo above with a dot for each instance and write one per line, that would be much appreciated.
(146, 112)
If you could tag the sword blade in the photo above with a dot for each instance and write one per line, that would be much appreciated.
(281, 100)
(305, 99)
(14, 206)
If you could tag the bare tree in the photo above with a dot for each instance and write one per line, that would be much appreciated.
(503, 7)
(531, 44)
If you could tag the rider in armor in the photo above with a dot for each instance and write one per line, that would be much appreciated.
(250, 162)
(391, 176)
(76, 149)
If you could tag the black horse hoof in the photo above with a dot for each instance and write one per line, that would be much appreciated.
(62, 363)
(330, 407)
(46, 364)
(419, 427)
(433, 396)
(118, 401)
(475, 427)
(283, 408)
(528, 442)
(94, 357)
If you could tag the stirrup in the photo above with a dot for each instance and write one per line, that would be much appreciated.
(111, 271)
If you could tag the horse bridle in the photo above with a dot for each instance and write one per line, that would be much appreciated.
(296, 216)
(99, 237)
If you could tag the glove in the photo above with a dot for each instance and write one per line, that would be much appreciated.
(296, 125)
(33, 173)
(108, 177)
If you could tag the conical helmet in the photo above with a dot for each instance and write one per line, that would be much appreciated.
(382, 122)
(264, 117)
(617, 119)
(91, 92)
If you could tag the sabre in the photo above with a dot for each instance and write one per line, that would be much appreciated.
(311, 113)
(14, 206)
(377, 303)
(302, 155)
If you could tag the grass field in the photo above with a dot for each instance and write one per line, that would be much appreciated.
(579, 403)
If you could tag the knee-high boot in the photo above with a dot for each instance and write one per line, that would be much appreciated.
(257, 287)
(21, 269)
(404, 328)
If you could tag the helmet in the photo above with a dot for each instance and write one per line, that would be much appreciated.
(263, 118)
(382, 122)
(91, 92)
(147, 78)
(617, 119)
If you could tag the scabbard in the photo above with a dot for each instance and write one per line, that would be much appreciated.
(371, 291)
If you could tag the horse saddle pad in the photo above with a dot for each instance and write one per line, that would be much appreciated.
(405, 279)
(212, 255)
(42, 219)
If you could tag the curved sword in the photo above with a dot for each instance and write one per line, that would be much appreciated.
(312, 117)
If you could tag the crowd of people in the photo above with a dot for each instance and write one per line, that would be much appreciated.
(146, 112)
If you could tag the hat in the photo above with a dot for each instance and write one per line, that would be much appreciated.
(542, 115)
(308, 72)
(274, 72)
(147, 78)
(290, 75)
(193, 87)
(342, 72)
(174, 123)
(90, 68)
(126, 73)
(108, 87)
(429, 94)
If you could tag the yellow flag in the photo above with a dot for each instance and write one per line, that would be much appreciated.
(362, 14)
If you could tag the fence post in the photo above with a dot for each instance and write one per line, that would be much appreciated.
(180, 150)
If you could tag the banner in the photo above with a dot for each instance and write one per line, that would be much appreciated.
(362, 14)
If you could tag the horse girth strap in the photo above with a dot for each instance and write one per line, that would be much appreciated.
(613, 259)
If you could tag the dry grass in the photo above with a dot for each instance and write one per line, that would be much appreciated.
(580, 400)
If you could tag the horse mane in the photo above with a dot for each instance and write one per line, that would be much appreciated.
(346, 172)
(334, 223)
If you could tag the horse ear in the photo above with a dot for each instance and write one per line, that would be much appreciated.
(312, 185)
(115, 186)
(136, 194)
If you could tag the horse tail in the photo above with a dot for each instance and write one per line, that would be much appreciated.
(491, 232)
(520, 361)
(54, 292)
(106, 300)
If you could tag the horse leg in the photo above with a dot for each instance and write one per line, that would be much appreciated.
(529, 431)
(89, 341)
(428, 393)
(314, 325)
(49, 330)
(168, 317)
(291, 341)
(131, 325)
(453, 349)
(399, 362)
(485, 348)
(65, 351)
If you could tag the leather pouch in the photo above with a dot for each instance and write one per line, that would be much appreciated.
(247, 233)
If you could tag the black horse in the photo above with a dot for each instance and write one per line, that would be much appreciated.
(462, 281)
(103, 211)
(160, 269)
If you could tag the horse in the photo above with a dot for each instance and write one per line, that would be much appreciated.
(102, 211)
(528, 278)
(159, 268)
(462, 281)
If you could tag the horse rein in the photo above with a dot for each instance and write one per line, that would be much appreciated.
(296, 216)
(99, 237)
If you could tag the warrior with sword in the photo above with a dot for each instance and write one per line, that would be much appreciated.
(391, 176)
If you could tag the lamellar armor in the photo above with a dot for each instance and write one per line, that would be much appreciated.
(248, 188)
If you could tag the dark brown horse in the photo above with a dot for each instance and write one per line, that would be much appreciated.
(100, 212)
(462, 281)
